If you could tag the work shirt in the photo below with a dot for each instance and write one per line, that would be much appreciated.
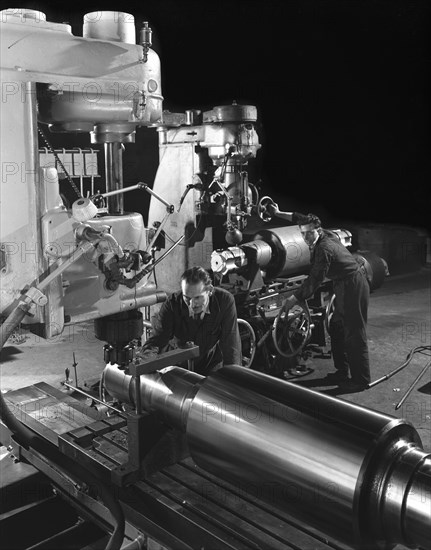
(216, 334)
(330, 259)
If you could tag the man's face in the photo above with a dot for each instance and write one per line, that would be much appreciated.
(309, 233)
(196, 296)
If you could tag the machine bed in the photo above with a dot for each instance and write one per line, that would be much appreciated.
(180, 507)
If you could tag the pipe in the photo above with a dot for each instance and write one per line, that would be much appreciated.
(351, 472)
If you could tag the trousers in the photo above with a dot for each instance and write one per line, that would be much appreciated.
(348, 327)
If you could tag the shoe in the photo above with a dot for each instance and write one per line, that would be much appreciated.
(353, 387)
(337, 377)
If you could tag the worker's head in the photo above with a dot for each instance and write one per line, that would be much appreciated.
(311, 228)
(196, 287)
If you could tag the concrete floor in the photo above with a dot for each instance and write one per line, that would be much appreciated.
(399, 321)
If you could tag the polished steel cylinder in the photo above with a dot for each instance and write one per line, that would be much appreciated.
(259, 252)
(114, 176)
(353, 473)
(225, 261)
(290, 253)
(168, 393)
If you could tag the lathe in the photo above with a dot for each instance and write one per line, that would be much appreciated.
(239, 459)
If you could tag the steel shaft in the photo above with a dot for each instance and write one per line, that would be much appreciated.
(353, 473)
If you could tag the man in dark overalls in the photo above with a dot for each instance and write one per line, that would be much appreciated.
(330, 259)
(202, 314)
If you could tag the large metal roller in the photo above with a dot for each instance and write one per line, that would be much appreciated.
(279, 252)
(351, 472)
(290, 253)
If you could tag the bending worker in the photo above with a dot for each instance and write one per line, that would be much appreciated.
(331, 260)
(202, 314)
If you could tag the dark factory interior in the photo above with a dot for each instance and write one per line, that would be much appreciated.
(215, 275)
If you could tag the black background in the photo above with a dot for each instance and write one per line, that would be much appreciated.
(342, 88)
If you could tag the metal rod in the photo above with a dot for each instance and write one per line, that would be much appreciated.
(139, 185)
(144, 186)
(390, 374)
(119, 191)
(158, 231)
(409, 391)
(163, 256)
(75, 364)
(94, 399)
(86, 246)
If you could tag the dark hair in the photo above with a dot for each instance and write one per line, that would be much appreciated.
(310, 219)
(195, 275)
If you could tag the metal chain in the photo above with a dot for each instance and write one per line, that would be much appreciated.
(57, 158)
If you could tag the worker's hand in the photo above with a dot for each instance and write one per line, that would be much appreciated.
(289, 303)
(146, 354)
(272, 209)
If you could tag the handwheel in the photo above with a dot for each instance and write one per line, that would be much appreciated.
(248, 342)
(254, 193)
(291, 329)
(262, 208)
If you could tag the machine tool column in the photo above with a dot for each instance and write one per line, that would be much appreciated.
(114, 175)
